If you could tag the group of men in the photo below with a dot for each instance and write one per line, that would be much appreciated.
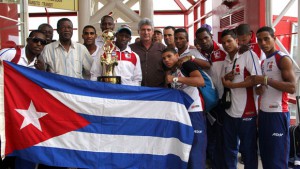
(247, 68)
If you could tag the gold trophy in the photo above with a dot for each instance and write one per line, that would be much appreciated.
(109, 59)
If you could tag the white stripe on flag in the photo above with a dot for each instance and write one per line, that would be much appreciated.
(119, 144)
(124, 108)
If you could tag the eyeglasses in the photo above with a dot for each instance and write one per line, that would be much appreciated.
(37, 40)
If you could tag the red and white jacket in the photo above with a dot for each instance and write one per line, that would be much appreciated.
(216, 57)
(244, 100)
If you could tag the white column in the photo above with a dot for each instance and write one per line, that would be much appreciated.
(269, 13)
(84, 8)
(24, 17)
(298, 46)
(298, 61)
(94, 6)
(146, 9)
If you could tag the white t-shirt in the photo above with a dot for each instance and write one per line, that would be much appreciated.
(8, 54)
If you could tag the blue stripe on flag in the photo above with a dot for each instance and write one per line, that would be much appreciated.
(138, 127)
(98, 89)
(49, 156)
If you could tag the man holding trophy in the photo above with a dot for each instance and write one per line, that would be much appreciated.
(117, 63)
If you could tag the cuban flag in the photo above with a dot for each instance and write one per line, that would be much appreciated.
(62, 121)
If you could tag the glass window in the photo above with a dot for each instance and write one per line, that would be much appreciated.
(191, 18)
(209, 22)
(164, 20)
(278, 7)
(36, 22)
(208, 6)
(191, 35)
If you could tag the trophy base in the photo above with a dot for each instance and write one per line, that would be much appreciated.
(110, 79)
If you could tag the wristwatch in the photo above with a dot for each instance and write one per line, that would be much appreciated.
(175, 79)
(193, 58)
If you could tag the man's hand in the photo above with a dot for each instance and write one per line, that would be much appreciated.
(259, 90)
(229, 76)
(251, 80)
(226, 83)
(183, 59)
(255, 79)
(39, 65)
(169, 78)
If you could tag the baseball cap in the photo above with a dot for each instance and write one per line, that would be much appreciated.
(158, 30)
(126, 28)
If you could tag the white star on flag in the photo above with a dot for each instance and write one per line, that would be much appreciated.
(31, 116)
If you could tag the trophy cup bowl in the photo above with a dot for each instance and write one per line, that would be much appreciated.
(109, 60)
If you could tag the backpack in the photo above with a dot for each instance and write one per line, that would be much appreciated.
(208, 91)
(294, 157)
(295, 144)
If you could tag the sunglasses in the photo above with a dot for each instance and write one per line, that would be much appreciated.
(37, 40)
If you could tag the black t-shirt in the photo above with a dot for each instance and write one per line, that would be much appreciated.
(188, 67)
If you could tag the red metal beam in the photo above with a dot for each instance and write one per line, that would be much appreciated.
(197, 4)
(169, 12)
(195, 18)
(202, 12)
(202, 18)
(186, 21)
(48, 17)
(191, 2)
(292, 99)
(50, 14)
(166, 12)
(181, 6)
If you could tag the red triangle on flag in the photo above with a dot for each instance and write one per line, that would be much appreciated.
(19, 92)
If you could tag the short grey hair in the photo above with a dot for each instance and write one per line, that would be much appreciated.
(146, 21)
